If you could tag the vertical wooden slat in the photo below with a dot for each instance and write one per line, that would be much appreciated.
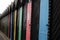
(15, 13)
(28, 21)
(43, 20)
(20, 23)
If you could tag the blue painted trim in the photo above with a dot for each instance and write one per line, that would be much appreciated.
(11, 28)
(43, 28)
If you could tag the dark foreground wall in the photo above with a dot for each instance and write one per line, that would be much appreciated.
(55, 20)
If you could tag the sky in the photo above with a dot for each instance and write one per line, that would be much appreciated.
(4, 4)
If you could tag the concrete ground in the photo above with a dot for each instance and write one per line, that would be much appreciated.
(3, 36)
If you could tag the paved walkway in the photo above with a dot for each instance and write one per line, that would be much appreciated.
(3, 36)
